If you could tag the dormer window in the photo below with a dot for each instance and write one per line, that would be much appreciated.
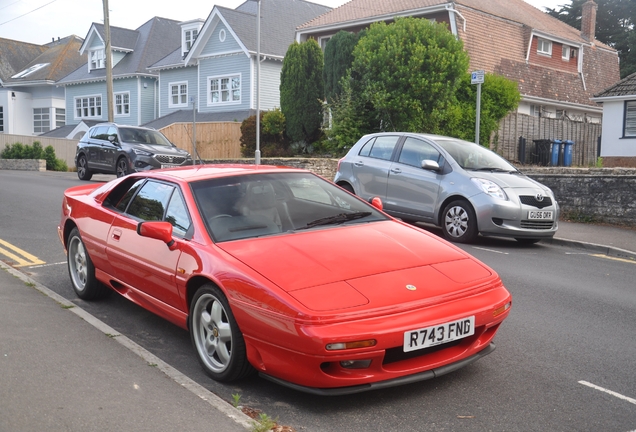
(544, 46)
(190, 36)
(96, 59)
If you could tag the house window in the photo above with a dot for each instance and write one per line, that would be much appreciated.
(41, 120)
(88, 107)
(535, 110)
(323, 42)
(178, 94)
(544, 47)
(189, 37)
(60, 117)
(224, 90)
(630, 119)
(565, 53)
(1, 119)
(222, 35)
(122, 104)
(96, 59)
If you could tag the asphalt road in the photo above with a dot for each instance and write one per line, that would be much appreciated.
(565, 358)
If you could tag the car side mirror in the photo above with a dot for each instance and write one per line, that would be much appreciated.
(113, 139)
(430, 165)
(157, 230)
(376, 202)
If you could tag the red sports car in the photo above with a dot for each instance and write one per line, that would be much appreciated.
(279, 271)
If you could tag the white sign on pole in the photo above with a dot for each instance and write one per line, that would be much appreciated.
(477, 77)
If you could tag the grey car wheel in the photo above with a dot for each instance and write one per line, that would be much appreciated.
(216, 337)
(81, 269)
(459, 223)
(122, 167)
(82, 168)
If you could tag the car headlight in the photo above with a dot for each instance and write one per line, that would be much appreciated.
(491, 188)
(142, 152)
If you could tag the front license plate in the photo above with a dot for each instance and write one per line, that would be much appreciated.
(540, 215)
(439, 334)
(169, 166)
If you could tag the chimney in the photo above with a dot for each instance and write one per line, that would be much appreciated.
(588, 20)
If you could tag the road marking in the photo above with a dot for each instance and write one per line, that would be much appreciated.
(48, 265)
(614, 258)
(26, 258)
(613, 393)
(491, 250)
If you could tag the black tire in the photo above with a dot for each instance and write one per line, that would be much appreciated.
(83, 172)
(459, 223)
(527, 241)
(122, 168)
(81, 270)
(216, 337)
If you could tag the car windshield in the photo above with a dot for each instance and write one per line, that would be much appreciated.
(257, 205)
(143, 136)
(474, 157)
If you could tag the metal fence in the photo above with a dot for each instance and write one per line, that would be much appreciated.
(521, 139)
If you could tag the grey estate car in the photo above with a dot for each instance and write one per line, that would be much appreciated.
(457, 185)
(109, 148)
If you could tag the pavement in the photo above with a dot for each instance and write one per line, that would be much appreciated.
(62, 369)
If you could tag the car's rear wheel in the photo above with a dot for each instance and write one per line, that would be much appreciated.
(527, 241)
(83, 172)
(347, 187)
(81, 269)
(216, 337)
(459, 222)
(122, 167)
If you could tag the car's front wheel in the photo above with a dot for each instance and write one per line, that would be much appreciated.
(83, 172)
(81, 269)
(216, 336)
(459, 222)
(122, 167)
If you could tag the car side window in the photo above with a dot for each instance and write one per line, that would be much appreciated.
(122, 204)
(414, 151)
(177, 214)
(151, 201)
(111, 131)
(366, 149)
(383, 147)
(100, 133)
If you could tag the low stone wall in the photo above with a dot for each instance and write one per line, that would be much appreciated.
(585, 194)
(23, 164)
(592, 194)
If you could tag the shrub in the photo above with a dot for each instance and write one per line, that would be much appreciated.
(274, 142)
(35, 151)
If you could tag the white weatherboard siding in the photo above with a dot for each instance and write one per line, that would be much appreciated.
(612, 142)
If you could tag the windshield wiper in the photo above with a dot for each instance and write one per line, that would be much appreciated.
(337, 219)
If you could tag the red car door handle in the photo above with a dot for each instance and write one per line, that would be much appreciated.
(116, 234)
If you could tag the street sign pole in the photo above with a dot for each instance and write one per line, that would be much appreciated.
(477, 77)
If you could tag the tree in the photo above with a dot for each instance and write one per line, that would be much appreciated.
(302, 91)
(407, 72)
(615, 20)
(499, 96)
(338, 59)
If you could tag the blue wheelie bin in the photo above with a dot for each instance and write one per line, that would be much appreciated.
(567, 153)
(556, 151)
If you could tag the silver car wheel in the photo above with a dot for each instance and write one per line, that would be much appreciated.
(212, 333)
(122, 167)
(456, 221)
(77, 263)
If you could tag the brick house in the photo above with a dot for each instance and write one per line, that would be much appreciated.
(557, 67)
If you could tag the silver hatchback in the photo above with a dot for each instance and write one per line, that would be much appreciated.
(457, 185)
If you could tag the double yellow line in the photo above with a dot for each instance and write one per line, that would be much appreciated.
(21, 257)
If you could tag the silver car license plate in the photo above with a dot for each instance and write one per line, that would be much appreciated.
(542, 215)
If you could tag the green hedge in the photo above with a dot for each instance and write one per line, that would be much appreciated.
(35, 151)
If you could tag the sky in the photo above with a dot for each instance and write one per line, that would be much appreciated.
(40, 21)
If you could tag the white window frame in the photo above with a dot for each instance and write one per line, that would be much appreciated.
(43, 116)
(182, 98)
(121, 104)
(544, 46)
(189, 36)
(629, 125)
(60, 117)
(96, 59)
(565, 53)
(224, 84)
(88, 111)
